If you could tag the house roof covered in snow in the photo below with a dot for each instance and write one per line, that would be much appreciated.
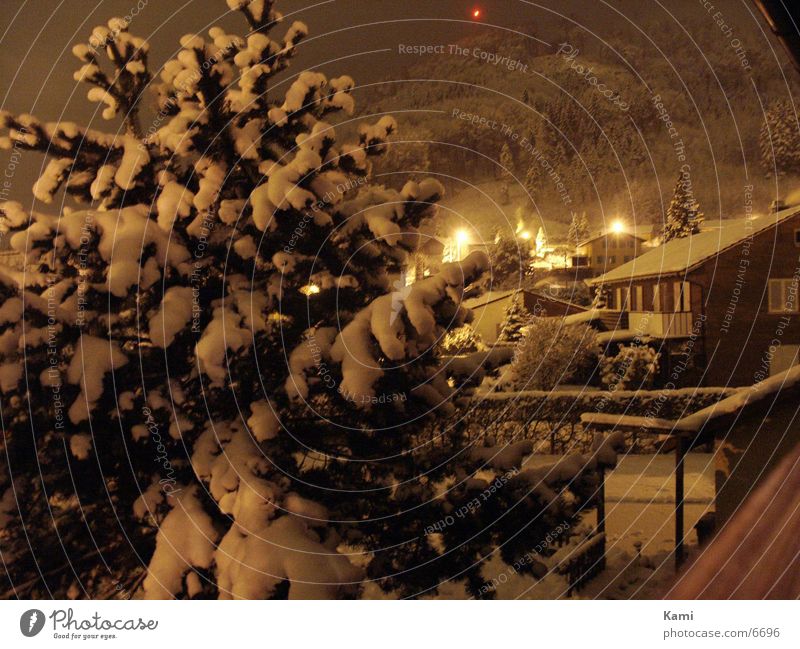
(493, 296)
(488, 298)
(682, 255)
(603, 235)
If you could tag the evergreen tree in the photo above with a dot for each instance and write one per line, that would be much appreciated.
(191, 364)
(516, 317)
(506, 172)
(531, 182)
(578, 228)
(509, 261)
(780, 139)
(683, 215)
(600, 300)
(409, 157)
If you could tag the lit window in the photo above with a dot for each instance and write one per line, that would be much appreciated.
(783, 296)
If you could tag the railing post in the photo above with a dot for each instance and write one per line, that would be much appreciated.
(601, 501)
(680, 454)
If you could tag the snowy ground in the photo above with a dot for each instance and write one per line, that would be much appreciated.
(639, 509)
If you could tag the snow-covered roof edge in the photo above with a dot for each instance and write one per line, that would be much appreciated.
(609, 234)
(628, 271)
(491, 297)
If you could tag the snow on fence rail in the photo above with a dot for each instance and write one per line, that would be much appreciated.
(584, 562)
(555, 417)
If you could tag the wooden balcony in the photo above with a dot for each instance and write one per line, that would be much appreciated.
(661, 324)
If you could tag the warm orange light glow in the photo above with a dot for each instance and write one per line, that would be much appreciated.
(310, 289)
(476, 13)
(617, 227)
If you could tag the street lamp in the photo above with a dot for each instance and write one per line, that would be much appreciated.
(617, 226)
(462, 241)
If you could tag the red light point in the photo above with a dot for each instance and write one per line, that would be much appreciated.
(476, 13)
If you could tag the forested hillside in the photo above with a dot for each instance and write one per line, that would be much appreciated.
(615, 122)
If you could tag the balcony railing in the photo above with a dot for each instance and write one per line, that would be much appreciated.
(661, 324)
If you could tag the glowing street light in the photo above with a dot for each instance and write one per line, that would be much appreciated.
(525, 235)
(617, 226)
(462, 241)
(476, 13)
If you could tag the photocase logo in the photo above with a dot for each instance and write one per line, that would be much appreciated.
(31, 622)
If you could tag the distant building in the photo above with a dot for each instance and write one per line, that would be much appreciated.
(607, 251)
(721, 306)
(435, 251)
(489, 310)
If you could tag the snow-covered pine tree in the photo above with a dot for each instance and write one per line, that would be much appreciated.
(583, 227)
(508, 261)
(531, 182)
(578, 228)
(506, 172)
(190, 365)
(572, 232)
(600, 299)
(516, 317)
(780, 139)
(683, 214)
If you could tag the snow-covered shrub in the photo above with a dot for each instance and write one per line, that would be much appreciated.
(463, 340)
(633, 368)
(551, 353)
